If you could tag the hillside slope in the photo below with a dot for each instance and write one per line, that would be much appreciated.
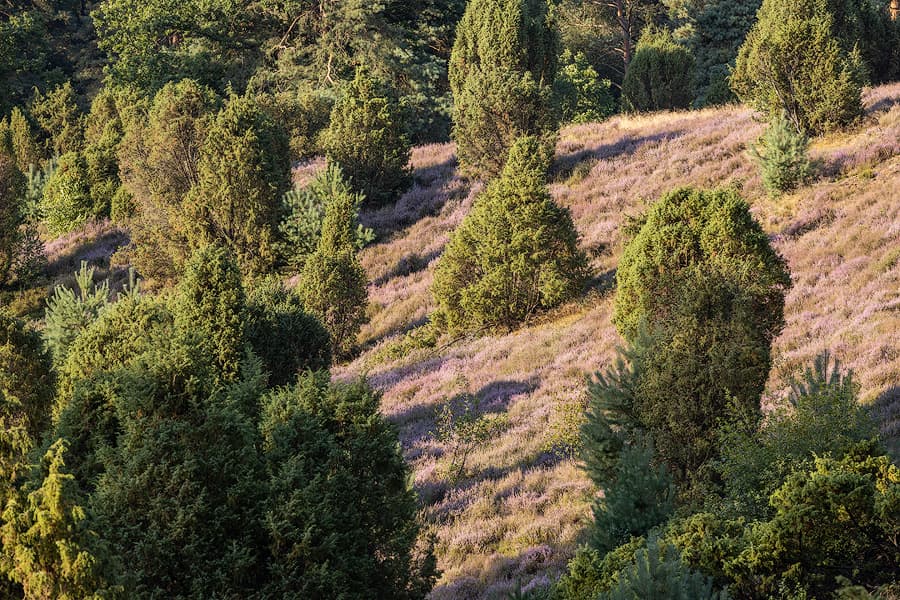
(516, 515)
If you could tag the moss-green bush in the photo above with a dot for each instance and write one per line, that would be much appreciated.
(514, 254)
(659, 76)
(792, 62)
(367, 139)
(502, 71)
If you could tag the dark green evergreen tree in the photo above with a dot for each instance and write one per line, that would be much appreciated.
(242, 172)
(793, 62)
(660, 76)
(700, 297)
(333, 283)
(12, 200)
(514, 254)
(158, 162)
(502, 72)
(367, 141)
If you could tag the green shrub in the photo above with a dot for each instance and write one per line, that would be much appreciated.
(158, 159)
(304, 211)
(69, 311)
(584, 97)
(66, 202)
(590, 573)
(639, 497)
(333, 283)
(837, 521)
(23, 144)
(367, 140)
(782, 154)
(514, 254)
(659, 76)
(60, 119)
(26, 392)
(658, 573)
(823, 417)
(700, 298)
(305, 115)
(462, 427)
(502, 71)
(104, 129)
(287, 339)
(793, 63)
(12, 200)
(242, 172)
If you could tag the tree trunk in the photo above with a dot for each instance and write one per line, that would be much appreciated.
(895, 10)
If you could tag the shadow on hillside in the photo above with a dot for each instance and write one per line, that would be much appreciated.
(409, 264)
(565, 164)
(885, 411)
(883, 105)
(432, 188)
(95, 251)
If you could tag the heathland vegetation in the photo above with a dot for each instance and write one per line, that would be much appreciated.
(566, 300)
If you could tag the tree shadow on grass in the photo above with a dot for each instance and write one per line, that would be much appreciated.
(565, 164)
(432, 188)
(885, 411)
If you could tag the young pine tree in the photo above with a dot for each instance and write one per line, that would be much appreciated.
(333, 283)
(502, 72)
(367, 140)
(793, 63)
(782, 154)
(515, 253)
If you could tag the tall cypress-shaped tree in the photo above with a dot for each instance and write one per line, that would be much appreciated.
(514, 254)
(792, 62)
(243, 170)
(333, 282)
(366, 139)
(12, 197)
(158, 159)
(502, 71)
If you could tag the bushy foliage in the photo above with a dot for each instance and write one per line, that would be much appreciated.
(782, 154)
(514, 254)
(242, 171)
(49, 546)
(59, 118)
(69, 311)
(660, 76)
(639, 497)
(283, 335)
(583, 96)
(333, 283)
(658, 572)
(718, 28)
(304, 211)
(21, 143)
(305, 115)
(204, 482)
(700, 298)
(12, 200)
(792, 62)
(590, 573)
(103, 130)
(822, 417)
(329, 535)
(502, 72)
(26, 391)
(367, 140)
(66, 203)
(691, 235)
(158, 160)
